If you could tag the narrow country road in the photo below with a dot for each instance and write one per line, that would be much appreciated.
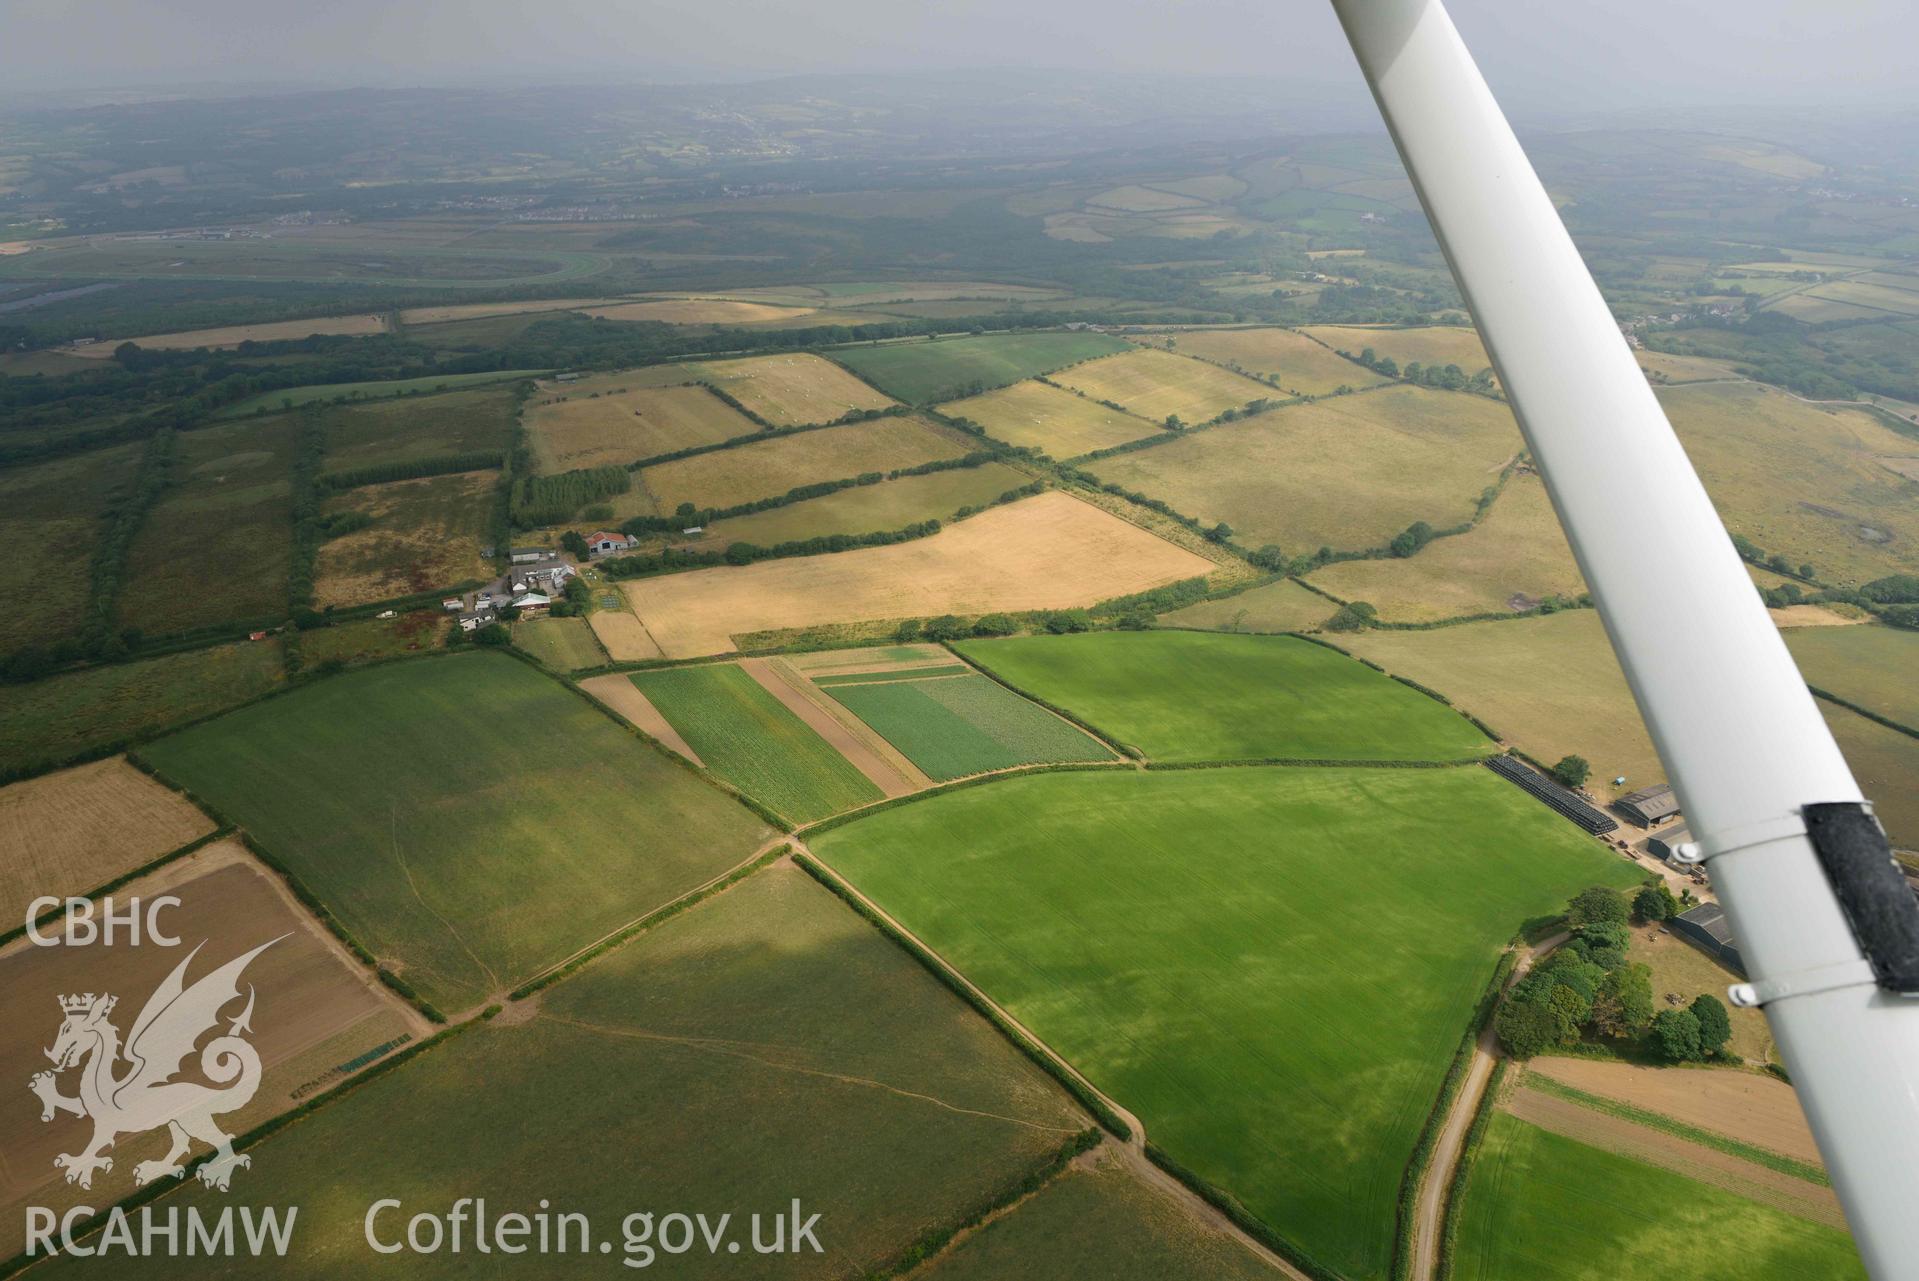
(1429, 1207)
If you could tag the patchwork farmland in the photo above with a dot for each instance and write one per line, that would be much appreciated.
(1047, 552)
(1233, 1002)
(1037, 415)
(1157, 385)
(467, 860)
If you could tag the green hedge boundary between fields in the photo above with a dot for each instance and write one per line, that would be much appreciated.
(821, 826)
(1456, 1186)
(954, 982)
(1419, 1161)
(1870, 715)
(1434, 694)
(1242, 1218)
(659, 916)
(243, 1142)
(934, 1241)
(1124, 750)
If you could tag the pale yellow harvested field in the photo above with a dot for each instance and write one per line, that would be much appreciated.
(1511, 560)
(699, 311)
(765, 468)
(1428, 345)
(1348, 472)
(1154, 384)
(617, 691)
(1137, 199)
(625, 638)
(1035, 416)
(620, 427)
(482, 310)
(1665, 368)
(1302, 366)
(72, 831)
(1047, 552)
(791, 390)
(234, 335)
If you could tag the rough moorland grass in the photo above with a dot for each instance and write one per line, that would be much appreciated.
(402, 430)
(1347, 473)
(49, 519)
(1035, 415)
(1844, 510)
(469, 819)
(1538, 1204)
(1097, 1220)
(1193, 696)
(764, 1046)
(423, 535)
(218, 544)
(922, 372)
(1511, 560)
(563, 644)
(1283, 606)
(750, 739)
(58, 718)
(272, 401)
(1549, 684)
(1270, 967)
(1871, 667)
(966, 725)
(892, 504)
(1154, 384)
(1302, 366)
(766, 468)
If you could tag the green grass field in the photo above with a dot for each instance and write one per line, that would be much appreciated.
(1099, 1222)
(1541, 1205)
(52, 719)
(1870, 666)
(470, 820)
(1283, 606)
(1886, 764)
(766, 1045)
(292, 397)
(750, 739)
(920, 373)
(959, 725)
(563, 644)
(1195, 696)
(1271, 967)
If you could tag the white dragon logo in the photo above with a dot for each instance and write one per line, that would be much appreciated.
(144, 1096)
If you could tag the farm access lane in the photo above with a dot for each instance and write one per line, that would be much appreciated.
(1429, 1206)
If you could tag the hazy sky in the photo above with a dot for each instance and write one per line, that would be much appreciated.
(1541, 55)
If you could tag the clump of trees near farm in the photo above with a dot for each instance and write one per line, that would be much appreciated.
(1589, 985)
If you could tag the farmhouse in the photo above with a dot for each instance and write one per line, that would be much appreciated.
(1649, 806)
(604, 542)
(1706, 928)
